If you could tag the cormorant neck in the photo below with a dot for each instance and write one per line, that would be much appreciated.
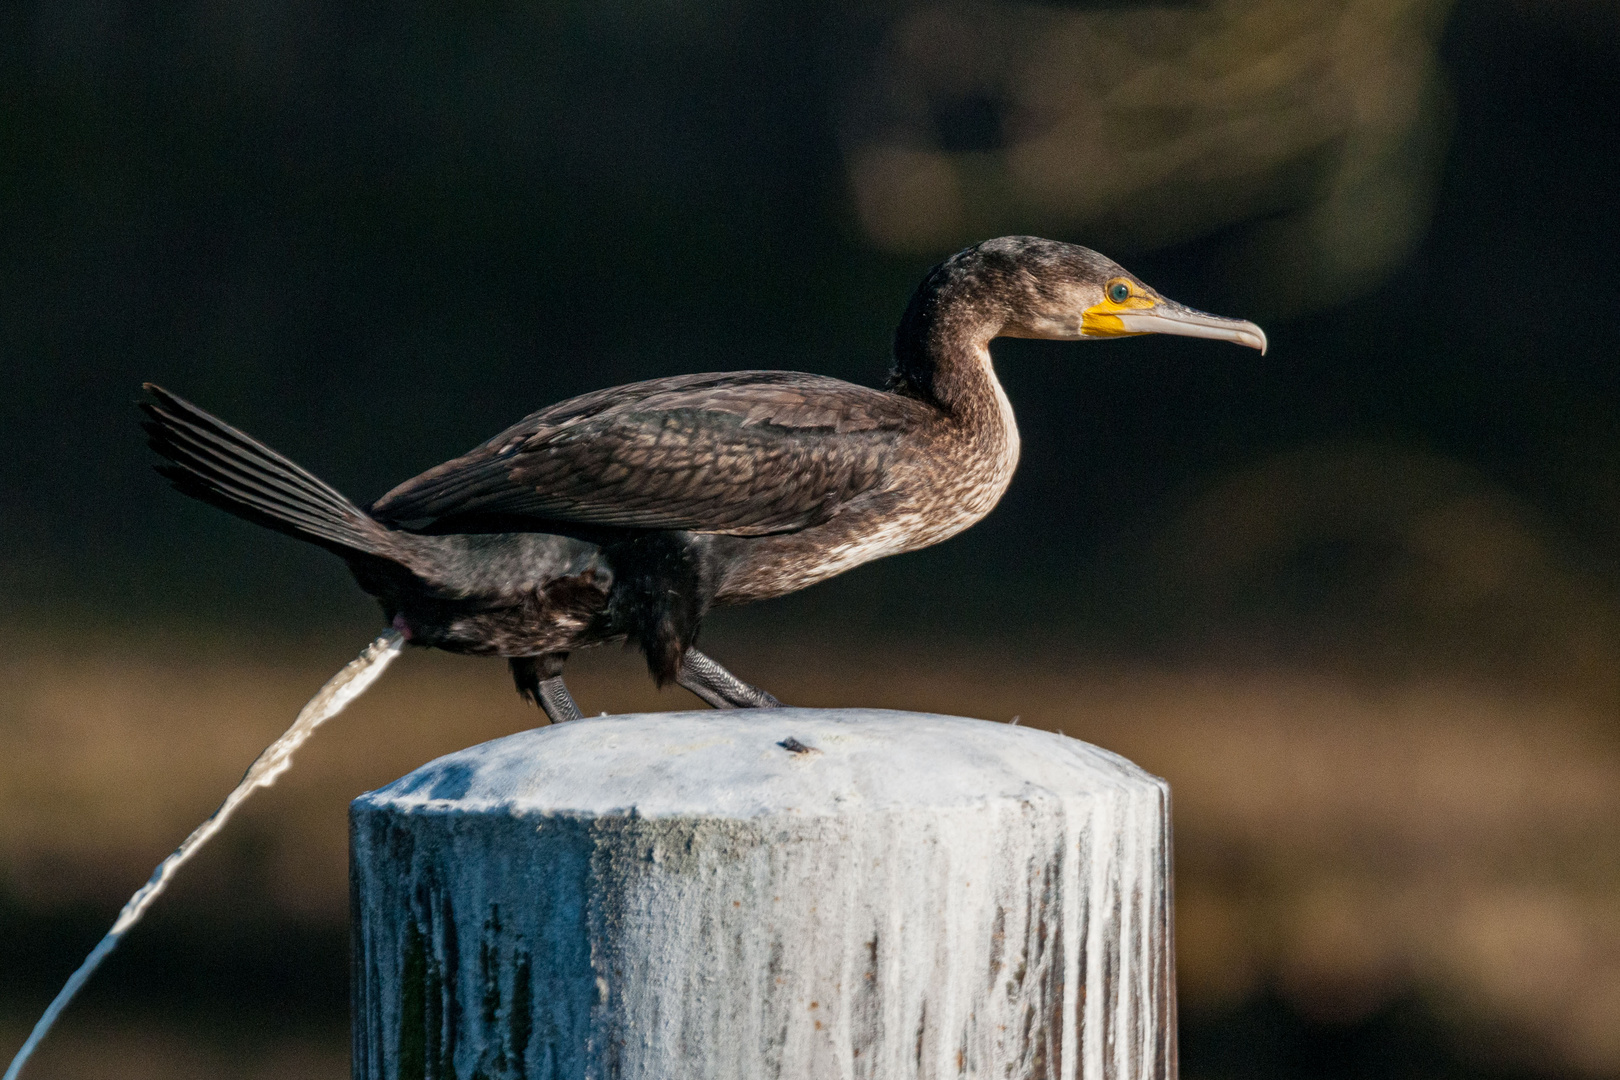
(942, 346)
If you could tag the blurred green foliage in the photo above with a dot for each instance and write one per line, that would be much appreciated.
(372, 236)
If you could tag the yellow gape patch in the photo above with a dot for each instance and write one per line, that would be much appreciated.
(1102, 320)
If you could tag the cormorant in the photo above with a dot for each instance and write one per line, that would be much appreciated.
(627, 513)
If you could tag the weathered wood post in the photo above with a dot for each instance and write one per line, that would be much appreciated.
(793, 893)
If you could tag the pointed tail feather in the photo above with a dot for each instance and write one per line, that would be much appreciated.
(214, 462)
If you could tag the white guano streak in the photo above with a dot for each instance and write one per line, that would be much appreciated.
(330, 700)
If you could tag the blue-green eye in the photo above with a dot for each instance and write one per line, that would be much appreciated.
(1119, 292)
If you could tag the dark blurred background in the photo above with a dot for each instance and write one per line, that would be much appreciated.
(1359, 599)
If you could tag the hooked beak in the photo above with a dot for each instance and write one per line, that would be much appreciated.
(1169, 317)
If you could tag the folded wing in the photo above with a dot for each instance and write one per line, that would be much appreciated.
(744, 453)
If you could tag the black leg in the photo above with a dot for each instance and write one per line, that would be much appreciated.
(539, 679)
(557, 701)
(719, 687)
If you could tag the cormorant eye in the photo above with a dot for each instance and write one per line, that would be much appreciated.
(1119, 292)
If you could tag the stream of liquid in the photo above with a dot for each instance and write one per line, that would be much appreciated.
(330, 700)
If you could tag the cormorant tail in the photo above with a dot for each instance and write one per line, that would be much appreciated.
(216, 463)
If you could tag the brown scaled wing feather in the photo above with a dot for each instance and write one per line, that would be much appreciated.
(746, 453)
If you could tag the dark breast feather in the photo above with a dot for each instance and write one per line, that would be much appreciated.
(743, 453)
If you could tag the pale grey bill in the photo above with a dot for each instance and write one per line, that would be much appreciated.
(1185, 322)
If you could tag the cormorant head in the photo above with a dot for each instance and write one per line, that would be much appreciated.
(1040, 288)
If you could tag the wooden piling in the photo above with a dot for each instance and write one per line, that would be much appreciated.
(791, 893)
